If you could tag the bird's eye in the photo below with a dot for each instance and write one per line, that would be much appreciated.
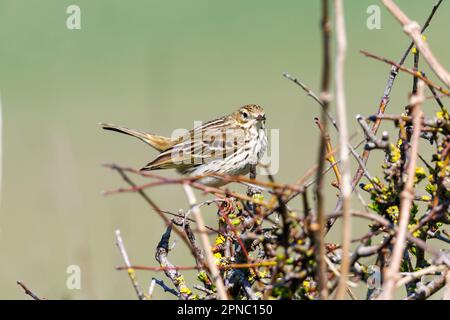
(244, 115)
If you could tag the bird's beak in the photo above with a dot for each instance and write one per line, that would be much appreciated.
(261, 117)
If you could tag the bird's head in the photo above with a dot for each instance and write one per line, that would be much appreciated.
(250, 114)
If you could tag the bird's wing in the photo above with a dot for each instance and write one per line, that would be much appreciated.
(202, 145)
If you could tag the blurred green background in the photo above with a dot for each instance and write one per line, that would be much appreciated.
(155, 65)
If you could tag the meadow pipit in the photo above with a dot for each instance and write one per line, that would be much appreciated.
(231, 145)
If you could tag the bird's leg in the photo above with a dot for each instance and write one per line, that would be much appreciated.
(251, 189)
(252, 171)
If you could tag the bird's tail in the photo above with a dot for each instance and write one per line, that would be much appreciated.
(160, 143)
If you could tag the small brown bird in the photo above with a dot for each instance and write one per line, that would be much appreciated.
(231, 145)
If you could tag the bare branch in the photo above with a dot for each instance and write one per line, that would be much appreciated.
(416, 275)
(437, 255)
(428, 290)
(319, 229)
(308, 91)
(28, 291)
(206, 244)
(147, 199)
(417, 74)
(162, 250)
(131, 272)
(412, 29)
(387, 91)
(346, 188)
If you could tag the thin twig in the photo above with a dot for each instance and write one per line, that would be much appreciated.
(374, 141)
(131, 272)
(308, 91)
(417, 74)
(28, 291)
(178, 215)
(188, 180)
(165, 287)
(147, 199)
(331, 159)
(198, 252)
(221, 267)
(330, 118)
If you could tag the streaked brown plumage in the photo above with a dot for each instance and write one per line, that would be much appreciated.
(229, 145)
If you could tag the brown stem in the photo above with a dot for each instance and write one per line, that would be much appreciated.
(319, 230)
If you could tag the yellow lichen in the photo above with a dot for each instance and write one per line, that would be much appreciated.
(220, 240)
(185, 290)
(217, 257)
(420, 171)
(393, 212)
(258, 197)
(203, 277)
(179, 280)
(395, 151)
(236, 221)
